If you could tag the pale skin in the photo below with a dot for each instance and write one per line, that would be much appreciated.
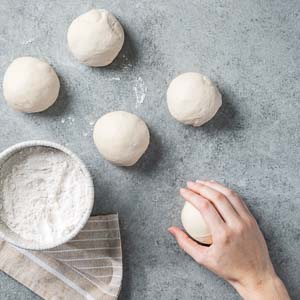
(239, 253)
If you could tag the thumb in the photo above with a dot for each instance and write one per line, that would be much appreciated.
(196, 251)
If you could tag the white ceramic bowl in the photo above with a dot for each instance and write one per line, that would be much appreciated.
(7, 234)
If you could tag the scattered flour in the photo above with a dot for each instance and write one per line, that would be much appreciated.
(28, 41)
(126, 65)
(140, 91)
(41, 194)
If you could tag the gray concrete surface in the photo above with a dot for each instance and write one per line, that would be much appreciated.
(250, 49)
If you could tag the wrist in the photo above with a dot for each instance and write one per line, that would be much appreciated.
(269, 287)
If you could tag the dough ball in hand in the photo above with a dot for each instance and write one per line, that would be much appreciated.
(193, 99)
(95, 38)
(195, 225)
(30, 85)
(121, 137)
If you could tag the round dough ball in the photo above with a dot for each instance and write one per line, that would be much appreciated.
(193, 99)
(195, 225)
(121, 137)
(30, 85)
(95, 38)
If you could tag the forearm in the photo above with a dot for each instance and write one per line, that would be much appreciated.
(271, 289)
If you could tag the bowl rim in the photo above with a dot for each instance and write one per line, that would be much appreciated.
(4, 155)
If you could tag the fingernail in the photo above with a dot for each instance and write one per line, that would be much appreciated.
(189, 183)
(200, 181)
(171, 230)
(182, 190)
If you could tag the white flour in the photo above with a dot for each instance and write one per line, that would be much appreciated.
(140, 91)
(41, 192)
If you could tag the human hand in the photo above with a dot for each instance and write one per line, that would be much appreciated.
(239, 253)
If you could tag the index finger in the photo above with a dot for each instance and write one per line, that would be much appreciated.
(207, 210)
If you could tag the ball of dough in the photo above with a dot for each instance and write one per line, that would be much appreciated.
(30, 85)
(195, 225)
(121, 137)
(95, 38)
(193, 99)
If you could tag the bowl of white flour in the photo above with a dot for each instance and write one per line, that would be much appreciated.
(46, 195)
